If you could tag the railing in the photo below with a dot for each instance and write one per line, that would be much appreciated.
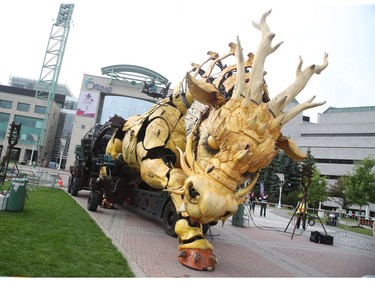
(283, 206)
(282, 216)
(38, 176)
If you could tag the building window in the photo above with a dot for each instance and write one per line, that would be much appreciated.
(6, 104)
(23, 106)
(40, 109)
(4, 118)
(31, 128)
(4, 121)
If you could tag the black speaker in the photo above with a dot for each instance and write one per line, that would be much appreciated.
(315, 236)
(326, 239)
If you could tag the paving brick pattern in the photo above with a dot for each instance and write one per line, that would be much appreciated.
(264, 249)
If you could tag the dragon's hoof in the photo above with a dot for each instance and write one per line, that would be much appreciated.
(199, 259)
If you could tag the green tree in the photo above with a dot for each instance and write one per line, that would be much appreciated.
(317, 190)
(337, 190)
(292, 178)
(309, 161)
(292, 172)
(360, 188)
(316, 184)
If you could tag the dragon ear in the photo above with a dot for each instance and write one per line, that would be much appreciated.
(290, 148)
(204, 92)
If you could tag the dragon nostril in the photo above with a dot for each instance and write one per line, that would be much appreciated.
(193, 192)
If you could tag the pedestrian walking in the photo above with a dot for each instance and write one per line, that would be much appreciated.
(263, 203)
(252, 201)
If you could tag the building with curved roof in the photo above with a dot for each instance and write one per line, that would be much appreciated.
(122, 90)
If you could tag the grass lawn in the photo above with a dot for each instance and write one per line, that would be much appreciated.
(54, 237)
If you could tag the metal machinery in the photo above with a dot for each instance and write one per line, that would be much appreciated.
(85, 172)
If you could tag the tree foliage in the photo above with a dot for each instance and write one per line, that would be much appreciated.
(337, 190)
(292, 178)
(312, 180)
(317, 190)
(360, 185)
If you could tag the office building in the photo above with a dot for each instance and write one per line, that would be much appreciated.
(341, 138)
(18, 104)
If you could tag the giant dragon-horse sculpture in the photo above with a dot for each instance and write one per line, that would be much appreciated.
(209, 167)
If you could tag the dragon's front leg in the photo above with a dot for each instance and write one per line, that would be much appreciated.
(196, 251)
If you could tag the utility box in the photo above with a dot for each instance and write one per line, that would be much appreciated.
(17, 195)
(237, 219)
(3, 201)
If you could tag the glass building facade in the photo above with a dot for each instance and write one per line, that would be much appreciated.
(31, 128)
(121, 106)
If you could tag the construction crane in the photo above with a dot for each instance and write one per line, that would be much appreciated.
(50, 72)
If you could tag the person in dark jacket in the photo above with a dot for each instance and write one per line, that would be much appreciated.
(252, 201)
(263, 203)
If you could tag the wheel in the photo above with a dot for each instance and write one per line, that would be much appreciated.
(75, 186)
(170, 217)
(311, 222)
(70, 184)
(94, 200)
(205, 228)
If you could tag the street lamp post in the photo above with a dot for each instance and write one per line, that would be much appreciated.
(32, 154)
(35, 142)
(63, 142)
(281, 178)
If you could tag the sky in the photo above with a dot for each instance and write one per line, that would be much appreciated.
(167, 36)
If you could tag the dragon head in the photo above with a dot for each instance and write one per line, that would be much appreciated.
(240, 132)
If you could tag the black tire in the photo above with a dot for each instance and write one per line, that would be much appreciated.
(75, 186)
(170, 217)
(311, 222)
(205, 228)
(94, 200)
(69, 189)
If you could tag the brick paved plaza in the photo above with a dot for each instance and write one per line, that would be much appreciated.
(264, 249)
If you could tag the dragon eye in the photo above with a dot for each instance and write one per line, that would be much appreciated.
(212, 143)
(193, 192)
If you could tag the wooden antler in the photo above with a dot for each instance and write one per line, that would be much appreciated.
(255, 90)
(240, 79)
(231, 52)
(277, 104)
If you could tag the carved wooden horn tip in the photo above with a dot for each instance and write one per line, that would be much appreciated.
(194, 65)
(266, 14)
(233, 47)
(213, 55)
